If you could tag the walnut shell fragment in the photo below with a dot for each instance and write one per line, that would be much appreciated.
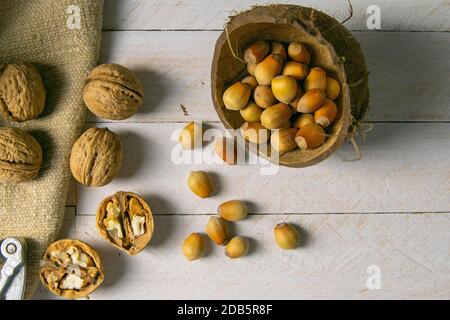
(126, 221)
(113, 92)
(96, 157)
(20, 156)
(71, 269)
(22, 92)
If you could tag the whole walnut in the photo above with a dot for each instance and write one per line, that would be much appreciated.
(113, 92)
(22, 92)
(20, 156)
(96, 157)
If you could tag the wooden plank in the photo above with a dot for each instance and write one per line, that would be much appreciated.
(411, 252)
(409, 73)
(405, 168)
(431, 15)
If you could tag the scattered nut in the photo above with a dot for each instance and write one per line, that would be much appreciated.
(286, 236)
(193, 247)
(22, 92)
(126, 221)
(200, 183)
(71, 269)
(234, 210)
(113, 92)
(96, 157)
(237, 247)
(191, 136)
(20, 156)
(216, 230)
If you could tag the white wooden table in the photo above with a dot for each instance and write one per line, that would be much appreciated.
(388, 213)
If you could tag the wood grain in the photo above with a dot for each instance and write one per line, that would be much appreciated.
(409, 73)
(405, 168)
(410, 250)
(431, 15)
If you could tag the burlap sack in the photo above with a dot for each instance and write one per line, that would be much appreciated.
(45, 33)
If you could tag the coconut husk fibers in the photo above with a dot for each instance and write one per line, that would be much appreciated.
(332, 47)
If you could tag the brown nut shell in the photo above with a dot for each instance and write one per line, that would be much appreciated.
(71, 269)
(20, 156)
(122, 230)
(113, 92)
(22, 92)
(96, 157)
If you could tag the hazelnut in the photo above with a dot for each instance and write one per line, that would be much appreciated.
(193, 247)
(276, 116)
(268, 69)
(236, 96)
(254, 132)
(278, 49)
(316, 79)
(216, 230)
(113, 92)
(256, 52)
(237, 247)
(286, 236)
(233, 210)
(200, 183)
(191, 136)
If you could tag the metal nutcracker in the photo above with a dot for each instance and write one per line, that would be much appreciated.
(13, 275)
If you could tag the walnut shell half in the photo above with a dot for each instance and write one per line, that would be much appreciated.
(20, 156)
(113, 92)
(126, 221)
(22, 92)
(71, 269)
(96, 157)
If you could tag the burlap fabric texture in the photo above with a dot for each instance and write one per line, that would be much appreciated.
(46, 33)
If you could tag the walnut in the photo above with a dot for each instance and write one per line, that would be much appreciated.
(71, 269)
(113, 92)
(96, 157)
(126, 221)
(20, 156)
(22, 92)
